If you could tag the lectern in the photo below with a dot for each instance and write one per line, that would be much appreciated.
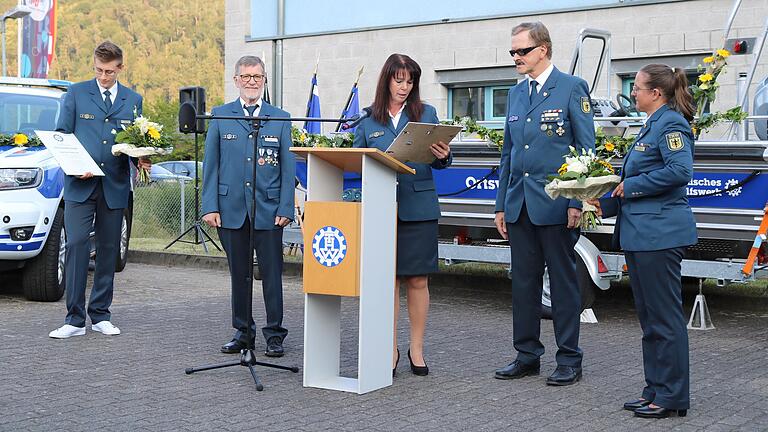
(349, 251)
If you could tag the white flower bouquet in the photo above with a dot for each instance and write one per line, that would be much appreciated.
(141, 139)
(583, 177)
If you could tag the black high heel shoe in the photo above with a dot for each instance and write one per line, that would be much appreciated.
(394, 369)
(418, 370)
(658, 412)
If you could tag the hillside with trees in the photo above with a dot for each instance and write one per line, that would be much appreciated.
(167, 44)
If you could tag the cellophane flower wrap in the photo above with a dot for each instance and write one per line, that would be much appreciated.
(583, 177)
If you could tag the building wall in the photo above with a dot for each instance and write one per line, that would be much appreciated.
(638, 32)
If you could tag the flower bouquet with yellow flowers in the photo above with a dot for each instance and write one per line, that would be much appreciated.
(583, 177)
(141, 139)
(705, 90)
(20, 140)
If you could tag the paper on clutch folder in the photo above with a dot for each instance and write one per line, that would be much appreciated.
(413, 142)
(72, 157)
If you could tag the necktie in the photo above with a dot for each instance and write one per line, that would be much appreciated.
(534, 83)
(107, 99)
(251, 109)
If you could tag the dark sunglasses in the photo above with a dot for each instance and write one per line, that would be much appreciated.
(522, 51)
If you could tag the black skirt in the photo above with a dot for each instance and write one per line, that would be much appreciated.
(416, 248)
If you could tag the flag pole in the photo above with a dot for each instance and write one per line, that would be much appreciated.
(351, 94)
(266, 80)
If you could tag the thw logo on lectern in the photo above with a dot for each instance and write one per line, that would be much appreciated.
(329, 246)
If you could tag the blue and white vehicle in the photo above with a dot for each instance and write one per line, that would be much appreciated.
(32, 235)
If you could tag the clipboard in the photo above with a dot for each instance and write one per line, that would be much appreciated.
(413, 142)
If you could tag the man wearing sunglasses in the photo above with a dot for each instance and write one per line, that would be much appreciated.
(228, 197)
(546, 113)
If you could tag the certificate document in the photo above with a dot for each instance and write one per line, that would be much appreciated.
(414, 141)
(69, 153)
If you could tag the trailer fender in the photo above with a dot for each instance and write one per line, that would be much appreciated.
(588, 253)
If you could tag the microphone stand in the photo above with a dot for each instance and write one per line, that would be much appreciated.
(247, 355)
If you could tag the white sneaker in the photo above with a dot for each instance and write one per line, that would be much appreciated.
(67, 331)
(105, 327)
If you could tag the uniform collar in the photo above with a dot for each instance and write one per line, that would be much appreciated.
(542, 78)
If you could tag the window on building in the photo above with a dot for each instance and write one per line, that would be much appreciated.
(481, 103)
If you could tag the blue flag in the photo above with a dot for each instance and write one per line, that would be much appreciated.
(313, 109)
(352, 108)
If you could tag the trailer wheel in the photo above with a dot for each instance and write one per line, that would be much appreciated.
(586, 286)
(44, 276)
(125, 238)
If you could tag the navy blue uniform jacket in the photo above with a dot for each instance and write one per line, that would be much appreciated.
(85, 115)
(537, 135)
(654, 213)
(228, 169)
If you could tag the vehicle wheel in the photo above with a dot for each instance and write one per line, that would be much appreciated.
(44, 276)
(125, 238)
(586, 286)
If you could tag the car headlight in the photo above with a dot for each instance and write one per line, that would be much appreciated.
(20, 178)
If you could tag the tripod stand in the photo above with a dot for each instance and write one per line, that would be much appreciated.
(200, 234)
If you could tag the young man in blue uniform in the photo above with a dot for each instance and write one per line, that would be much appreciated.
(228, 197)
(93, 110)
(546, 113)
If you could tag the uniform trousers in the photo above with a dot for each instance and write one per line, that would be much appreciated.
(656, 286)
(268, 245)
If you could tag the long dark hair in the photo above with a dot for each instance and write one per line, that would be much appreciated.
(395, 64)
(673, 85)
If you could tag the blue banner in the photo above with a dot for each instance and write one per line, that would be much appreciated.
(752, 195)
(313, 109)
(352, 109)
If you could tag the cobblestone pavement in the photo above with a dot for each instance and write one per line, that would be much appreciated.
(177, 317)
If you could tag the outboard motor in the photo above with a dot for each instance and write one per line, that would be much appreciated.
(761, 108)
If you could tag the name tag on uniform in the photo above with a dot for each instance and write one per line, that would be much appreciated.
(87, 116)
(641, 147)
(376, 134)
(513, 118)
(229, 136)
(125, 122)
(270, 138)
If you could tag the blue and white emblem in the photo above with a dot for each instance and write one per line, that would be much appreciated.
(329, 246)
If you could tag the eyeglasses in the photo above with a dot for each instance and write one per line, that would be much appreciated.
(522, 51)
(256, 78)
(636, 89)
(107, 72)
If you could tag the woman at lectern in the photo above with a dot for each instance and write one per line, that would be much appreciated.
(397, 102)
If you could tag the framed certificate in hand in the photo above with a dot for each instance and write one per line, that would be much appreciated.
(413, 142)
(69, 153)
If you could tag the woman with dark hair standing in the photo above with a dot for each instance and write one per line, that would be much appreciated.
(397, 102)
(654, 225)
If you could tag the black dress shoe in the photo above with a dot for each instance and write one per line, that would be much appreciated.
(658, 412)
(633, 405)
(564, 375)
(418, 370)
(517, 369)
(274, 347)
(233, 347)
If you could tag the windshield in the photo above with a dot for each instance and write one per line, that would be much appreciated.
(25, 113)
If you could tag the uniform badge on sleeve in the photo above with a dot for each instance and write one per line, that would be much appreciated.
(675, 141)
(586, 106)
